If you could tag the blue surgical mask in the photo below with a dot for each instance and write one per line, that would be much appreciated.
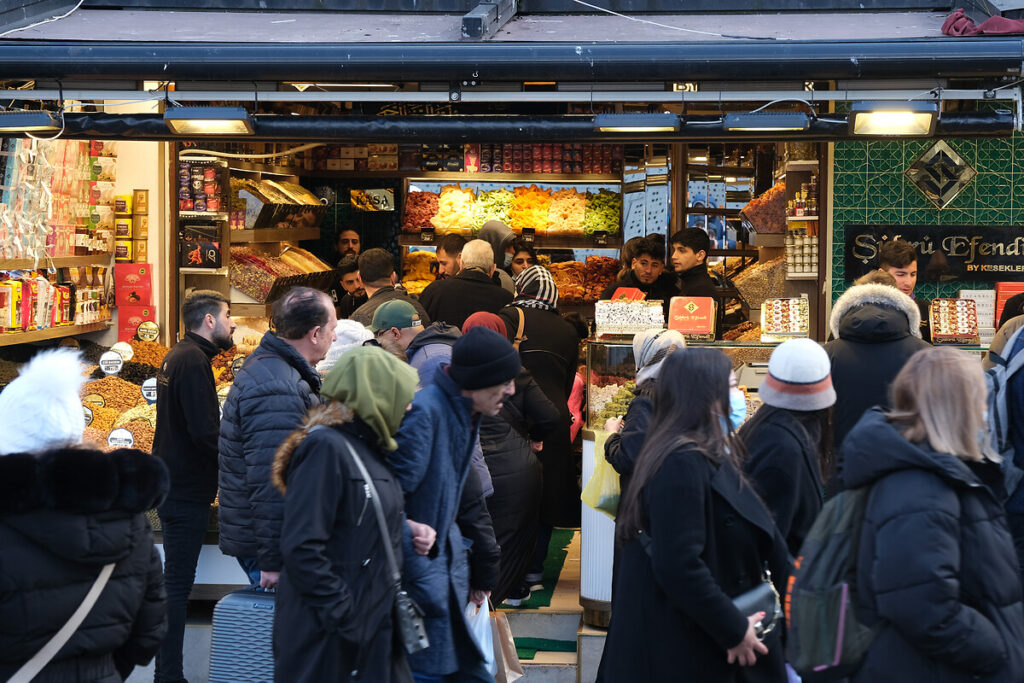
(737, 407)
(508, 260)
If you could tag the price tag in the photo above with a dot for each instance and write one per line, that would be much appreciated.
(237, 363)
(94, 400)
(124, 349)
(88, 416)
(149, 390)
(121, 438)
(148, 331)
(111, 363)
(529, 235)
(427, 236)
(601, 238)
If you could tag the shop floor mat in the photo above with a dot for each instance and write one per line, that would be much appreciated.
(558, 548)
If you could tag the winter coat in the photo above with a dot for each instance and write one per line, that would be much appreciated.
(551, 352)
(454, 299)
(435, 340)
(672, 612)
(875, 330)
(63, 515)
(662, 289)
(364, 314)
(188, 420)
(517, 477)
(348, 305)
(937, 570)
(432, 464)
(333, 619)
(623, 448)
(782, 465)
(271, 395)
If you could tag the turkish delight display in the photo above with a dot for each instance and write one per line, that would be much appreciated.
(784, 319)
(954, 321)
(627, 317)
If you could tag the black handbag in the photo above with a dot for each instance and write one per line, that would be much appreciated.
(408, 615)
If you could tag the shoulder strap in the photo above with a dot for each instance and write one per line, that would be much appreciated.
(520, 337)
(396, 576)
(32, 667)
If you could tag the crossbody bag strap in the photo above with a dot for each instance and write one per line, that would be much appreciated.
(520, 337)
(396, 576)
(39, 661)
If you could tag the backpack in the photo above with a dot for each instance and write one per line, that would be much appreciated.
(826, 639)
(997, 380)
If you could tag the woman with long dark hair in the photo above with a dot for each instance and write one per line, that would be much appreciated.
(692, 536)
(789, 439)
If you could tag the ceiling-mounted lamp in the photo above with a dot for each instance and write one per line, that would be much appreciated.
(208, 121)
(916, 118)
(29, 122)
(637, 123)
(758, 122)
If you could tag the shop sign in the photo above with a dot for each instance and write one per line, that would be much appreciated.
(693, 317)
(372, 200)
(111, 363)
(121, 438)
(149, 390)
(944, 252)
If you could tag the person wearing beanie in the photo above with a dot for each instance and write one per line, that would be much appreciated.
(66, 512)
(511, 442)
(432, 463)
(650, 349)
(334, 616)
(788, 439)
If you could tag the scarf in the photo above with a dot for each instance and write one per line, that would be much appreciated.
(536, 289)
(374, 385)
(650, 348)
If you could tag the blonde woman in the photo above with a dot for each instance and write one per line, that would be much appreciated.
(937, 570)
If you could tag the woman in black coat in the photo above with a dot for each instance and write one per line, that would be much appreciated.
(788, 439)
(936, 569)
(693, 535)
(333, 620)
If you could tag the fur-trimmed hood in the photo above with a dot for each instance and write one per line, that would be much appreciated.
(330, 415)
(860, 297)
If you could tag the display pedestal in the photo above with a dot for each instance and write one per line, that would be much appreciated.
(597, 535)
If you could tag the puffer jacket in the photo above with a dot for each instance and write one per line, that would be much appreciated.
(271, 395)
(876, 329)
(937, 570)
(435, 340)
(63, 515)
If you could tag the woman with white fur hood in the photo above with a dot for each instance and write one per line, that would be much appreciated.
(67, 513)
(875, 330)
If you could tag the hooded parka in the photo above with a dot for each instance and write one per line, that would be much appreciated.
(936, 567)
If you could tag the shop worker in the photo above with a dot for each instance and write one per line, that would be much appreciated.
(187, 428)
(899, 259)
(647, 272)
(348, 243)
(502, 240)
(454, 299)
(377, 271)
(449, 255)
(690, 249)
(270, 396)
(349, 294)
(432, 463)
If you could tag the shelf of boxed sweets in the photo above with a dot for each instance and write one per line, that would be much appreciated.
(10, 338)
(540, 241)
(275, 235)
(56, 262)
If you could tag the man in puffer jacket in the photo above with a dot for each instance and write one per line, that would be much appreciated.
(65, 512)
(270, 396)
(876, 329)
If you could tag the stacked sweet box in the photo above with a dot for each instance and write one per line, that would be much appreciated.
(954, 321)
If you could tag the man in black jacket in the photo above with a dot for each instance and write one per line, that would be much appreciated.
(270, 396)
(187, 426)
(690, 248)
(648, 273)
(377, 271)
(454, 299)
(348, 294)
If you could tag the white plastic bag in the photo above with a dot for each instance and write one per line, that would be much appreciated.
(478, 620)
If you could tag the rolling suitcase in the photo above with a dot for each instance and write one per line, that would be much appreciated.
(240, 648)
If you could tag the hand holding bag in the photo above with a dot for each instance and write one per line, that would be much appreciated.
(478, 623)
(507, 665)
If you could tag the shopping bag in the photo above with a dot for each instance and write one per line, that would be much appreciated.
(602, 491)
(508, 666)
(479, 624)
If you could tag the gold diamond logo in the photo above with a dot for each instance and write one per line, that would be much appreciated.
(691, 307)
(940, 173)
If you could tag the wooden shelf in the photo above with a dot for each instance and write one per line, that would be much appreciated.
(551, 178)
(51, 333)
(801, 165)
(249, 167)
(207, 215)
(56, 262)
(542, 242)
(801, 276)
(771, 240)
(274, 235)
(203, 271)
(247, 310)
(796, 219)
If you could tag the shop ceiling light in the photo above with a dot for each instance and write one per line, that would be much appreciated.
(28, 122)
(208, 121)
(637, 123)
(757, 122)
(914, 118)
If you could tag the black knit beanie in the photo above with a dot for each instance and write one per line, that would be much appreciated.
(483, 358)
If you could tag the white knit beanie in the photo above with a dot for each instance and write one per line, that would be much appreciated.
(41, 409)
(799, 377)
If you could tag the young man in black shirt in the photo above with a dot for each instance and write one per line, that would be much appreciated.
(647, 273)
(349, 294)
(899, 259)
(690, 248)
(187, 429)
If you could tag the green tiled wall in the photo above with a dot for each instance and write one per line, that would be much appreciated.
(869, 187)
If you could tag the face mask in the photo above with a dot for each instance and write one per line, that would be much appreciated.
(508, 260)
(737, 408)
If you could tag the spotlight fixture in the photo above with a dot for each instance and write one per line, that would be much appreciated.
(756, 122)
(637, 123)
(208, 121)
(29, 122)
(916, 118)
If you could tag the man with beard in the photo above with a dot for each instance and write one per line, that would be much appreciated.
(187, 429)
(348, 243)
(349, 294)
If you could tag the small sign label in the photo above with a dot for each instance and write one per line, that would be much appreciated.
(237, 363)
(124, 349)
(88, 416)
(427, 236)
(529, 235)
(601, 238)
(111, 363)
(94, 400)
(149, 390)
(121, 438)
(148, 331)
